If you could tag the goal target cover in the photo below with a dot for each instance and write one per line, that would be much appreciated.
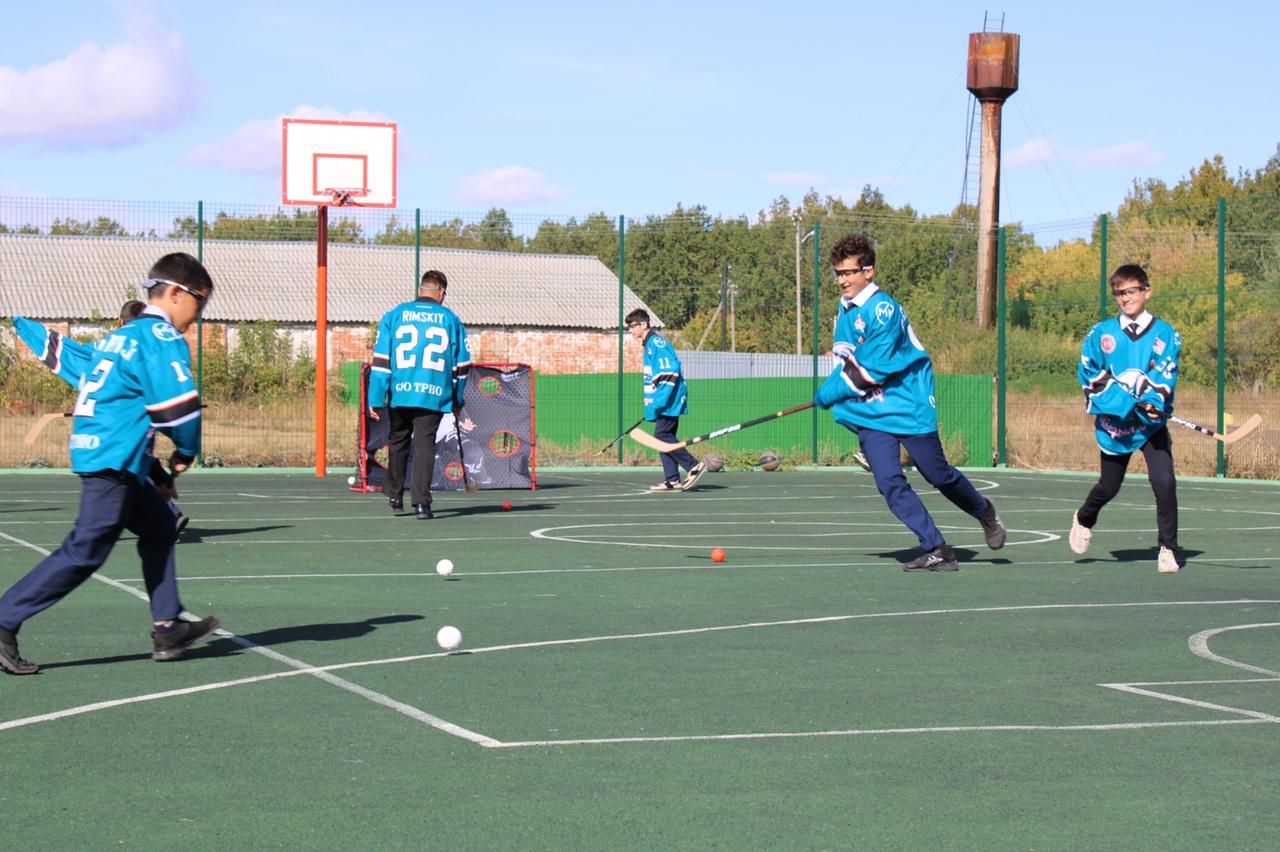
(500, 452)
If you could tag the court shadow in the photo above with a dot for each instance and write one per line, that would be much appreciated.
(39, 509)
(963, 555)
(195, 535)
(324, 632)
(222, 647)
(446, 512)
(1148, 554)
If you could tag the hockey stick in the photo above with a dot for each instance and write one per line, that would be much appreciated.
(642, 437)
(1229, 438)
(38, 426)
(624, 434)
(470, 486)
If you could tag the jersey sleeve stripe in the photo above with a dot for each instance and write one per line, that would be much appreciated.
(52, 356)
(381, 362)
(179, 412)
(177, 421)
(175, 400)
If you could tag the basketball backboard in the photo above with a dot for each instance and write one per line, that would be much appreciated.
(338, 163)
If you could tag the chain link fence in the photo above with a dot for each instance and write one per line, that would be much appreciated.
(748, 302)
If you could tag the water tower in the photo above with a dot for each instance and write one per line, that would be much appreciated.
(993, 77)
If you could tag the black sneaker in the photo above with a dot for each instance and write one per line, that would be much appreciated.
(941, 558)
(173, 643)
(396, 503)
(423, 511)
(992, 527)
(180, 522)
(10, 660)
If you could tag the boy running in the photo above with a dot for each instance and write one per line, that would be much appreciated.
(882, 388)
(1128, 369)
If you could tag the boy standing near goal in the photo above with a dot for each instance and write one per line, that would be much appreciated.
(882, 388)
(1128, 370)
(421, 358)
(665, 399)
(137, 380)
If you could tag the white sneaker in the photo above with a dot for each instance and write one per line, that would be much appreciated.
(695, 473)
(861, 461)
(1168, 561)
(665, 487)
(1080, 536)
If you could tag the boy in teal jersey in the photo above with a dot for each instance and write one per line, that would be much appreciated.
(137, 380)
(882, 389)
(421, 359)
(1129, 370)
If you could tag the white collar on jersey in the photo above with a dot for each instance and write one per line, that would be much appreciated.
(861, 299)
(1144, 319)
(153, 311)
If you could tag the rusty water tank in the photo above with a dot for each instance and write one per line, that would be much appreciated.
(993, 65)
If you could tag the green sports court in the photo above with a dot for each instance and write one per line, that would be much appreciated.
(615, 688)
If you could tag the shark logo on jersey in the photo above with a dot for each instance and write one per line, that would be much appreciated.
(884, 311)
(164, 331)
(659, 342)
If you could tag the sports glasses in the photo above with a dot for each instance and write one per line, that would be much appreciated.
(200, 298)
(1128, 291)
(849, 273)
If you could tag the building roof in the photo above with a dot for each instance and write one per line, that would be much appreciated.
(70, 278)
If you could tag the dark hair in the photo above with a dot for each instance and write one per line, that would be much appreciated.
(436, 277)
(184, 269)
(1130, 272)
(857, 246)
(131, 310)
(638, 315)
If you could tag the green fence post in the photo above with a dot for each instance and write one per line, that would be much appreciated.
(1104, 303)
(199, 317)
(817, 286)
(1001, 352)
(1222, 332)
(417, 248)
(622, 332)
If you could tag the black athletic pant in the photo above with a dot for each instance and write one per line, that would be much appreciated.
(421, 424)
(1158, 451)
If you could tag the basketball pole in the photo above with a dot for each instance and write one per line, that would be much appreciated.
(322, 333)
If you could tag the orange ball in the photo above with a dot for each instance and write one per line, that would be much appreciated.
(717, 555)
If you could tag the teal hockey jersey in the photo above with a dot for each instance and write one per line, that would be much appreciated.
(137, 380)
(421, 357)
(1123, 369)
(665, 394)
(883, 377)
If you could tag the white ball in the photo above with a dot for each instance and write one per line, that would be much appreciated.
(444, 567)
(448, 638)
(351, 480)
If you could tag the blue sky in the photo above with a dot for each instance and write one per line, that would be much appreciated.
(571, 108)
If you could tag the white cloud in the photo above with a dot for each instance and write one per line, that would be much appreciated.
(101, 97)
(1041, 150)
(254, 147)
(507, 185)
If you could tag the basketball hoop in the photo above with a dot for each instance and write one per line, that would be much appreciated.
(345, 197)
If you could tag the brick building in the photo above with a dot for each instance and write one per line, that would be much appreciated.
(557, 312)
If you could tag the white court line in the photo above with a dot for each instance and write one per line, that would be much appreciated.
(301, 667)
(489, 742)
(1199, 645)
(774, 566)
(858, 732)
